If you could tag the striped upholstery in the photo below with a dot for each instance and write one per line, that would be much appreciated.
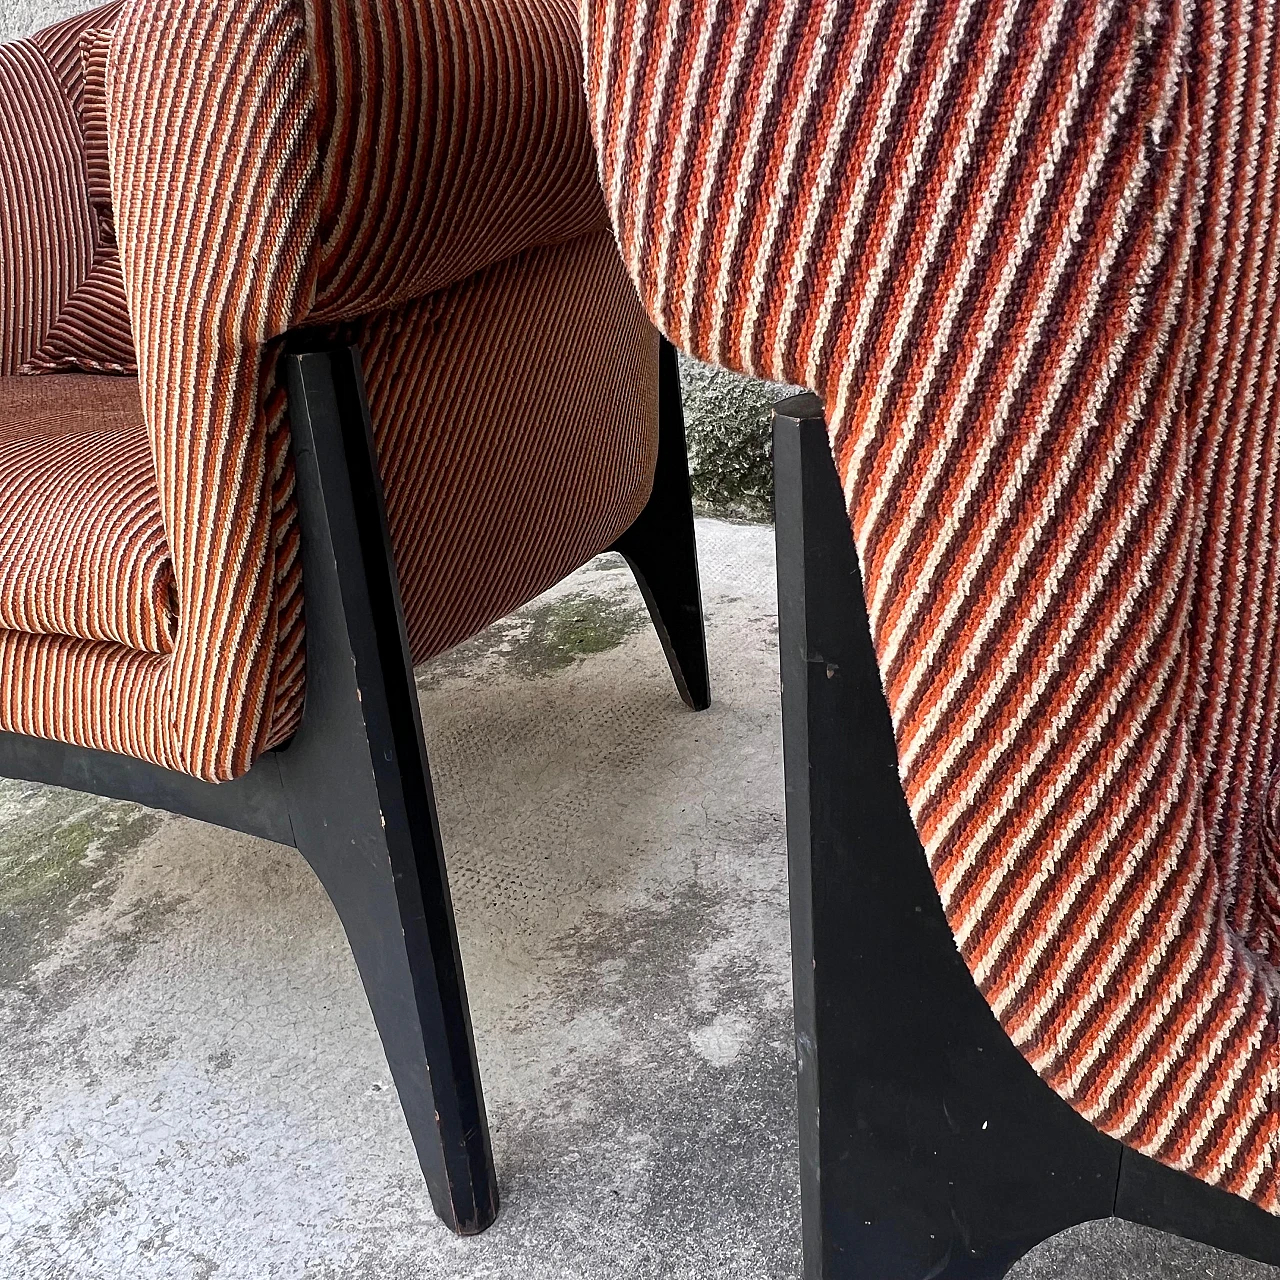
(95, 45)
(82, 548)
(92, 331)
(417, 174)
(547, 463)
(64, 297)
(44, 208)
(335, 161)
(552, 459)
(62, 46)
(1027, 253)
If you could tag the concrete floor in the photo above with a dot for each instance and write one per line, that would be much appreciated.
(190, 1082)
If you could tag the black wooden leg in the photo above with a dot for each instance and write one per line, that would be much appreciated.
(359, 791)
(928, 1146)
(1160, 1197)
(661, 550)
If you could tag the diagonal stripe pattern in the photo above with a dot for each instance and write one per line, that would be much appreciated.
(1027, 253)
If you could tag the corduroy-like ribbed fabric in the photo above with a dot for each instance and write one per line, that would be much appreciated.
(275, 164)
(92, 331)
(46, 227)
(356, 159)
(90, 328)
(516, 422)
(1027, 253)
(455, 135)
(82, 548)
(95, 45)
(62, 46)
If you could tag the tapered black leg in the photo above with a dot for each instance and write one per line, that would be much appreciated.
(359, 792)
(929, 1148)
(661, 550)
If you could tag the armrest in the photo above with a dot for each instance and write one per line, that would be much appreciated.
(1002, 243)
(216, 188)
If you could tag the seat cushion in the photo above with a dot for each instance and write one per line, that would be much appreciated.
(83, 550)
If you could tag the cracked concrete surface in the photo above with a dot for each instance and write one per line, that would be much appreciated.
(190, 1081)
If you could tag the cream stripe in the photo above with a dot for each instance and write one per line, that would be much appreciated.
(703, 204)
(855, 200)
(1022, 242)
(825, 179)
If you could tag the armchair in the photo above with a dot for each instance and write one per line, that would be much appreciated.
(316, 356)
(1024, 255)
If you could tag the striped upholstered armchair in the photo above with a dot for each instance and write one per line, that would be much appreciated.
(316, 355)
(1025, 255)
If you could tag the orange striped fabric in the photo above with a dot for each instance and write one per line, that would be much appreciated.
(95, 44)
(420, 175)
(62, 47)
(455, 135)
(85, 692)
(330, 162)
(89, 329)
(1027, 253)
(516, 421)
(92, 330)
(516, 424)
(46, 227)
(82, 548)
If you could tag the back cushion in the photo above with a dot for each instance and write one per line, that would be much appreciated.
(62, 302)
(91, 331)
(47, 234)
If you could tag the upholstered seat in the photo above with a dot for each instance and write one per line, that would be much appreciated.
(317, 354)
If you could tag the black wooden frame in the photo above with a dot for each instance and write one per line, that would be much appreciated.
(928, 1146)
(352, 789)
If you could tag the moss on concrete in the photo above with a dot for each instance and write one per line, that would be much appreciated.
(543, 638)
(564, 630)
(59, 854)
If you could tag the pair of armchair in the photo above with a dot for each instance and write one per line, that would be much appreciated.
(1024, 254)
(316, 356)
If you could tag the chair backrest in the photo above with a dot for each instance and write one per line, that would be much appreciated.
(46, 223)
(275, 164)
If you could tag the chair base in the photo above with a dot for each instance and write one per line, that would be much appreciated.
(351, 791)
(928, 1146)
